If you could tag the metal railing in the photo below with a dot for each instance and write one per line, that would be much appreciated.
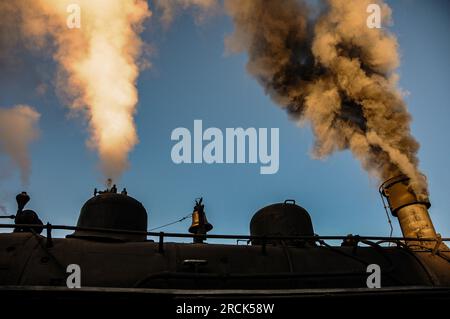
(49, 227)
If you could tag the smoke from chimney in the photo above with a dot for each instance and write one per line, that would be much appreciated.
(18, 128)
(98, 66)
(334, 73)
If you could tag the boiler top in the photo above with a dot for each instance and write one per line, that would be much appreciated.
(112, 211)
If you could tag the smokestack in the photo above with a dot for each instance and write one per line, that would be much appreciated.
(410, 209)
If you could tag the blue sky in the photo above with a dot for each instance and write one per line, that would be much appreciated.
(192, 78)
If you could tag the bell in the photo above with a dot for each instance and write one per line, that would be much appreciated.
(196, 223)
(200, 224)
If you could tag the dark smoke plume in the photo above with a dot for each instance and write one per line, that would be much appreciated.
(335, 73)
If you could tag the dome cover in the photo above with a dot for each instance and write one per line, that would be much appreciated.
(281, 219)
(112, 211)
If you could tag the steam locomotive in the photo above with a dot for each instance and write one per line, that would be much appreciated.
(282, 257)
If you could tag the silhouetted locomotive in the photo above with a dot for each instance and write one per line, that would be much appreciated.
(283, 257)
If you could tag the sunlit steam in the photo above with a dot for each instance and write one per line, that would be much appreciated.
(18, 128)
(335, 73)
(98, 66)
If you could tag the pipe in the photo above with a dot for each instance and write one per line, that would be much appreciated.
(411, 211)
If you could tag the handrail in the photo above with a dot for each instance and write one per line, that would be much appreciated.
(248, 237)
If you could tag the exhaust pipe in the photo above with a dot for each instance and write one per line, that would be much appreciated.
(411, 211)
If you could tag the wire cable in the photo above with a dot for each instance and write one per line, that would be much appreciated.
(177, 221)
(387, 213)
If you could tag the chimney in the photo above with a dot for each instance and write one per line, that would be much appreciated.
(411, 211)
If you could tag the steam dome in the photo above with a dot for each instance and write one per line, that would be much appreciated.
(112, 211)
(281, 219)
